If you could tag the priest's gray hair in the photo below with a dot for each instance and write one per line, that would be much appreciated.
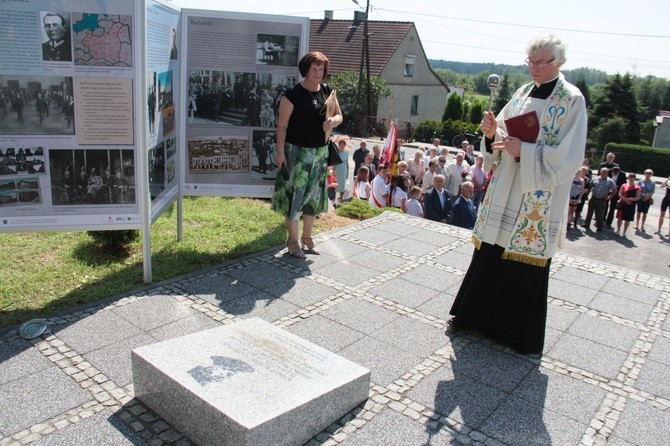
(550, 41)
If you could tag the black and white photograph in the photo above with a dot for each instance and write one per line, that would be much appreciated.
(218, 154)
(236, 99)
(56, 36)
(36, 105)
(263, 155)
(174, 54)
(21, 161)
(151, 102)
(170, 159)
(157, 170)
(92, 176)
(277, 50)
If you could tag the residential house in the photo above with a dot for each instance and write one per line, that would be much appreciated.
(396, 55)
(662, 130)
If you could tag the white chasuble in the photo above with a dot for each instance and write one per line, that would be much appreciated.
(526, 200)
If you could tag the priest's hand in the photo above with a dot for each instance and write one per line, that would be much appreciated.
(510, 144)
(489, 125)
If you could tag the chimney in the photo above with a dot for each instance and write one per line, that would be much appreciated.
(359, 16)
(328, 15)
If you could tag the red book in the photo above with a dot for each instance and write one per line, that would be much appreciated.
(526, 127)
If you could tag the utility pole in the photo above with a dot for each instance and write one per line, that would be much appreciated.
(367, 65)
(365, 61)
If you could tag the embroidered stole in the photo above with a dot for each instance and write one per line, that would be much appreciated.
(529, 240)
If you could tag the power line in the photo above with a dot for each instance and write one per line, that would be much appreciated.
(575, 55)
(490, 22)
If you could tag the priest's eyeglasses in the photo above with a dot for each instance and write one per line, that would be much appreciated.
(539, 63)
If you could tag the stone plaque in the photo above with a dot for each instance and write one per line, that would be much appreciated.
(247, 383)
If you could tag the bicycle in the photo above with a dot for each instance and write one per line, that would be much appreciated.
(472, 138)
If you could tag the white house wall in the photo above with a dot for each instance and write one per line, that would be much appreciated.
(424, 83)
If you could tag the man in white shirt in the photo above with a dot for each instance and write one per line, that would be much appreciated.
(379, 193)
(478, 178)
(456, 173)
(431, 153)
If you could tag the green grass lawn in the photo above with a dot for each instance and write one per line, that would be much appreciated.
(47, 272)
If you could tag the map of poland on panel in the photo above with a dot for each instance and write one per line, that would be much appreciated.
(102, 40)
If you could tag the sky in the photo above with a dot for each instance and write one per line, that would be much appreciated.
(633, 38)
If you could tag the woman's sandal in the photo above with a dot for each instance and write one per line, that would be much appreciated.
(294, 250)
(308, 246)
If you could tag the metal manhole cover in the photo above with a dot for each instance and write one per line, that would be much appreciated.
(33, 328)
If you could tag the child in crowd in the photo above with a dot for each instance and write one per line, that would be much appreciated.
(413, 205)
(399, 193)
(361, 184)
(331, 181)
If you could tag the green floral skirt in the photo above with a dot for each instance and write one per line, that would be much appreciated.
(305, 190)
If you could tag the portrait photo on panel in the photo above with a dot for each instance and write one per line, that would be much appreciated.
(56, 37)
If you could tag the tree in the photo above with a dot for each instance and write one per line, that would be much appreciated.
(581, 84)
(477, 112)
(637, 100)
(616, 101)
(504, 94)
(346, 84)
(611, 129)
(450, 77)
(454, 108)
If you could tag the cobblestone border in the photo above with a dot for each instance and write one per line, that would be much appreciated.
(106, 395)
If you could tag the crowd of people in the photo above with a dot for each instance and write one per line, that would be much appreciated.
(430, 185)
(42, 105)
(612, 193)
(245, 99)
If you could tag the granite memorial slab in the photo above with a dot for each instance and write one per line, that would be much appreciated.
(247, 383)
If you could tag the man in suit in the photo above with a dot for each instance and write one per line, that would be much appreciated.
(609, 163)
(619, 179)
(463, 211)
(58, 47)
(438, 201)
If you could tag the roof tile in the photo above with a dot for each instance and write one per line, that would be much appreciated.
(341, 41)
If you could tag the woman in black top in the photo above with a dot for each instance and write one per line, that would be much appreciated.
(302, 152)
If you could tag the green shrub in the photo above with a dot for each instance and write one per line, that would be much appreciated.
(360, 210)
(636, 158)
(426, 130)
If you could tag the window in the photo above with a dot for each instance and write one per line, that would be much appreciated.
(409, 66)
(415, 105)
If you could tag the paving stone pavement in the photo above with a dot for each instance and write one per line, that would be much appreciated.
(378, 295)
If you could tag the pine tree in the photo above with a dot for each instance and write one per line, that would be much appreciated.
(617, 101)
(454, 108)
(581, 84)
(504, 94)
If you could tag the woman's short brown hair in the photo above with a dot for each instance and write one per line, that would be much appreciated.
(313, 57)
